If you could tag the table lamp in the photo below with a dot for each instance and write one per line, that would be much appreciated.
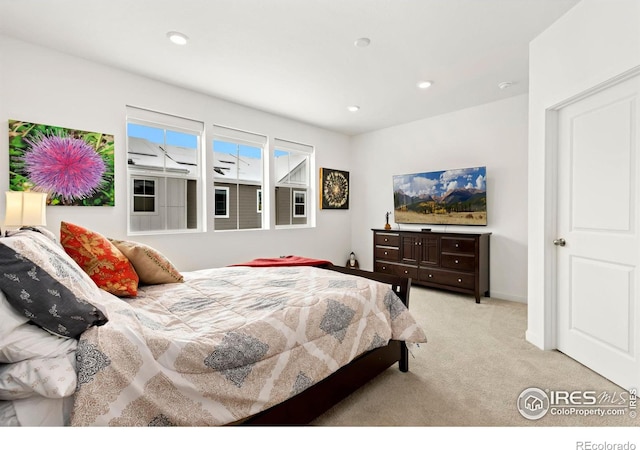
(25, 209)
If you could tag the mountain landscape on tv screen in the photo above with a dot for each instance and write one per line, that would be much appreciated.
(453, 197)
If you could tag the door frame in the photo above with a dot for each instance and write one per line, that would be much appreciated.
(552, 136)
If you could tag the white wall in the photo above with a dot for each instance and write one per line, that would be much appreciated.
(592, 43)
(492, 135)
(43, 86)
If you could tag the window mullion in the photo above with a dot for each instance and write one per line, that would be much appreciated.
(237, 199)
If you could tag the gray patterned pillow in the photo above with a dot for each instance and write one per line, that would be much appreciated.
(42, 282)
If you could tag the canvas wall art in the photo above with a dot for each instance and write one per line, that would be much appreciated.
(75, 167)
(334, 189)
(445, 197)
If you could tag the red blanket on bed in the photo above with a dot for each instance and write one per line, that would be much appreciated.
(285, 261)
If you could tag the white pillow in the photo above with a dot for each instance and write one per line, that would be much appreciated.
(30, 342)
(20, 340)
(39, 411)
(8, 417)
(10, 319)
(50, 377)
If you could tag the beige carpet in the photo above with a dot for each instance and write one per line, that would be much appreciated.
(470, 373)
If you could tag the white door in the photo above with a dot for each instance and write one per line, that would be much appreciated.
(598, 311)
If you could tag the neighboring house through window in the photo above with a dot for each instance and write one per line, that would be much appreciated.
(259, 200)
(164, 168)
(221, 203)
(165, 173)
(238, 167)
(144, 196)
(293, 168)
(299, 204)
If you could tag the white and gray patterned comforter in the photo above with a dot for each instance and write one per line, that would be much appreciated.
(229, 343)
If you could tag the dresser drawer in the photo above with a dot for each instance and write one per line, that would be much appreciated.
(387, 253)
(458, 261)
(446, 278)
(384, 268)
(457, 245)
(387, 239)
(406, 271)
(396, 269)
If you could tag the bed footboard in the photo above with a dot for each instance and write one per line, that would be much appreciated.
(400, 285)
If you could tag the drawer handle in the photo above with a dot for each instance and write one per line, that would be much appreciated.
(384, 267)
(457, 245)
(386, 240)
(430, 276)
(385, 253)
(406, 271)
(456, 261)
(459, 280)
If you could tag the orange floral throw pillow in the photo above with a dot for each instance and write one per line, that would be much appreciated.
(100, 259)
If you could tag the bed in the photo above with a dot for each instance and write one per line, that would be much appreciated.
(253, 343)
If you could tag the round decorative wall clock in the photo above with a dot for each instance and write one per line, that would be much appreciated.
(334, 189)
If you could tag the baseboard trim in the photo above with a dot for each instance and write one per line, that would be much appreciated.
(534, 339)
(505, 296)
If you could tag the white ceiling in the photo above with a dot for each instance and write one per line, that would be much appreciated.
(297, 58)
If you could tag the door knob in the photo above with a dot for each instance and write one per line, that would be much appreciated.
(561, 242)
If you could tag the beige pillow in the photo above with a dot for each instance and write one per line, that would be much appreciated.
(151, 266)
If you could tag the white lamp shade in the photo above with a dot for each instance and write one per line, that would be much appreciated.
(25, 209)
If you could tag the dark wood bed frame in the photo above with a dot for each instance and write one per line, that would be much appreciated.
(311, 403)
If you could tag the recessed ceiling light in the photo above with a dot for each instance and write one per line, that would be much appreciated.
(177, 38)
(362, 42)
(353, 108)
(505, 84)
(424, 84)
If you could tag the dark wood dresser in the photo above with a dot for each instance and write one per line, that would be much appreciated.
(453, 261)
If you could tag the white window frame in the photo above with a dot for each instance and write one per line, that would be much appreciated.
(245, 138)
(168, 122)
(226, 195)
(309, 187)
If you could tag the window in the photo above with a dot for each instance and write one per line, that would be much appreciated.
(164, 168)
(259, 200)
(238, 167)
(299, 204)
(144, 196)
(222, 202)
(293, 164)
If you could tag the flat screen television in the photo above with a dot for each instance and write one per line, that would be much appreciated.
(445, 197)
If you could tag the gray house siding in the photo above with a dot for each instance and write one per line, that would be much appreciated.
(247, 217)
(176, 206)
(284, 213)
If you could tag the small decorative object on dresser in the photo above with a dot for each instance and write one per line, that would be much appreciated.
(453, 261)
(353, 262)
(387, 226)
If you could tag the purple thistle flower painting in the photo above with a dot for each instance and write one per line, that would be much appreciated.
(64, 166)
(74, 167)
